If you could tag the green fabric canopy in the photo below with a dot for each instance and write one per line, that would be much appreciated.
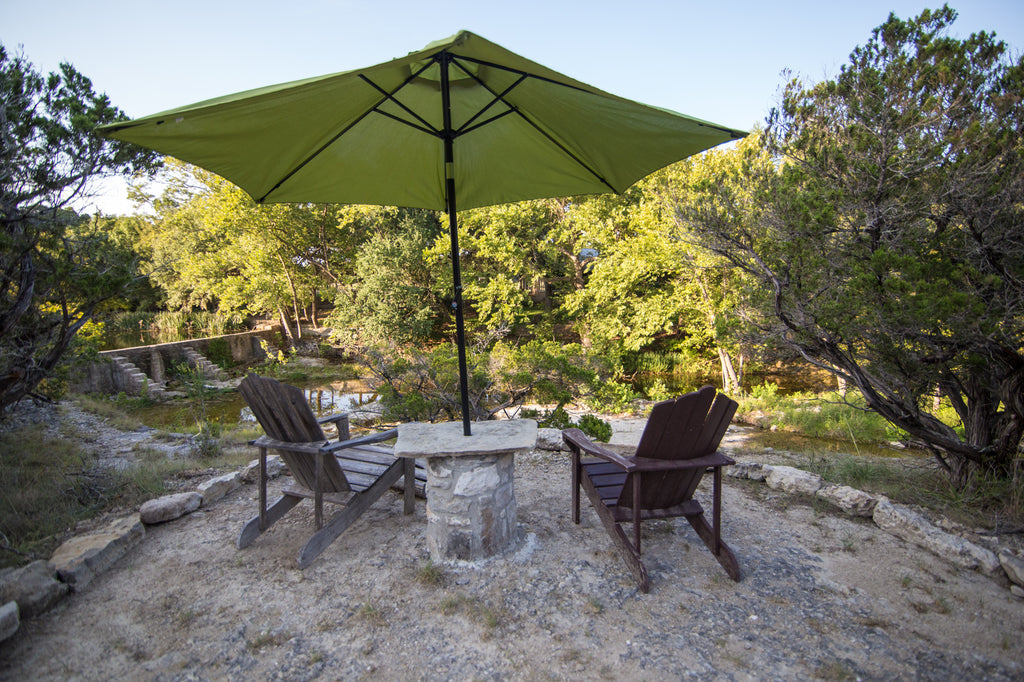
(374, 136)
(461, 120)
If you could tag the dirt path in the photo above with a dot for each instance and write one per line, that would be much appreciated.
(823, 597)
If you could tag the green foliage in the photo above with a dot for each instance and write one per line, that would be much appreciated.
(595, 427)
(206, 443)
(889, 251)
(397, 296)
(424, 386)
(218, 351)
(56, 269)
(47, 484)
(828, 415)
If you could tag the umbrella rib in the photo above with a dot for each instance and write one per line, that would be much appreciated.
(429, 131)
(583, 164)
(463, 130)
(349, 127)
(497, 98)
(390, 97)
(729, 131)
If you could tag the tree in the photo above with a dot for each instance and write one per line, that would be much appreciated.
(52, 278)
(212, 246)
(397, 295)
(890, 250)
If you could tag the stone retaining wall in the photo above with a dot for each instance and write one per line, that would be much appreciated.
(105, 376)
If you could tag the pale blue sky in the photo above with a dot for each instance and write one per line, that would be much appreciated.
(719, 61)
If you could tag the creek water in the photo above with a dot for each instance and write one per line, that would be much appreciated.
(229, 408)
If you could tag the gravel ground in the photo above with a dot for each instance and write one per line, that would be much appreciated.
(822, 597)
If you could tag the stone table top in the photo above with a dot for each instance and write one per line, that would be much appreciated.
(417, 439)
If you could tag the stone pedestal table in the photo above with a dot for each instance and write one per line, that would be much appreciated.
(471, 501)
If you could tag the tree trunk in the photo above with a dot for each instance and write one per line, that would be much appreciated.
(287, 328)
(295, 297)
(730, 380)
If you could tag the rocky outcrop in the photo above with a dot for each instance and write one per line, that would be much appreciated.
(852, 501)
(169, 507)
(1013, 565)
(251, 472)
(82, 557)
(792, 480)
(551, 440)
(215, 488)
(10, 620)
(34, 587)
(907, 524)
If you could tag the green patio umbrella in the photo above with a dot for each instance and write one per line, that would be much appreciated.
(459, 124)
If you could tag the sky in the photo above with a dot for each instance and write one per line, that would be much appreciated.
(719, 61)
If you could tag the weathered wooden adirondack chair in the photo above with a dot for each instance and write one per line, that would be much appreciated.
(678, 445)
(353, 473)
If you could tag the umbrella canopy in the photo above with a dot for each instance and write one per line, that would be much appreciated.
(459, 124)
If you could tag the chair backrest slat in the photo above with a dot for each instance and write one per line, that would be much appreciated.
(285, 415)
(690, 426)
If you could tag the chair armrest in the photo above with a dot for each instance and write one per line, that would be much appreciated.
(363, 440)
(715, 459)
(332, 418)
(310, 448)
(579, 442)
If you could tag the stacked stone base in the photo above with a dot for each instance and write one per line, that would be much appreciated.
(471, 507)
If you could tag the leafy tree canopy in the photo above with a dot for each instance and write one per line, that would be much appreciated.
(890, 246)
(54, 271)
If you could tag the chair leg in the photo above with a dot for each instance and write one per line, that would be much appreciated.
(724, 554)
(357, 504)
(626, 549)
(265, 519)
(409, 481)
(577, 469)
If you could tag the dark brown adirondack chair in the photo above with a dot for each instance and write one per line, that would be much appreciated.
(353, 473)
(678, 445)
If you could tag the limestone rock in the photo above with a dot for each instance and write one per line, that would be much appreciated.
(1013, 565)
(1017, 591)
(216, 488)
(9, 620)
(909, 525)
(169, 507)
(81, 558)
(852, 501)
(754, 471)
(792, 480)
(476, 482)
(551, 439)
(34, 587)
(251, 472)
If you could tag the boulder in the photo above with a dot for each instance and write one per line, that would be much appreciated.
(83, 557)
(908, 525)
(551, 439)
(792, 480)
(1013, 565)
(852, 501)
(251, 472)
(9, 620)
(754, 471)
(169, 507)
(216, 488)
(34, 587)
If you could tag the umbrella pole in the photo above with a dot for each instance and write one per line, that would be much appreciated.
(460, 325)
(453, 228)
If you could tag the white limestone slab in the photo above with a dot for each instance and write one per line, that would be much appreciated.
(417, 439)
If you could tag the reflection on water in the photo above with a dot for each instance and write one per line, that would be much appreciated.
(230, 409)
